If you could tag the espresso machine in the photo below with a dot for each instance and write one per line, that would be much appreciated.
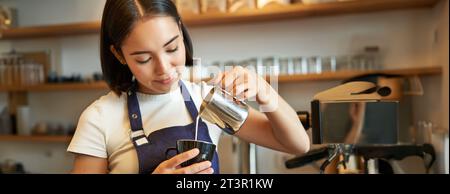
(357, 125)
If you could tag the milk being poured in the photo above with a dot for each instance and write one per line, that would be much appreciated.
(196, 127)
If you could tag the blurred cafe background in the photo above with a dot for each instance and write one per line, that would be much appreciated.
(50, 72)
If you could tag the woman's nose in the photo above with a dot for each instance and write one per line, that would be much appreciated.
(162, 66)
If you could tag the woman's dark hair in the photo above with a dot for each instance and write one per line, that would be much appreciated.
(119, 18)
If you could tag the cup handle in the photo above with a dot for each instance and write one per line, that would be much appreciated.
(168, 151)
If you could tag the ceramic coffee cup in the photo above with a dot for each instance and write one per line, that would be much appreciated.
(206, 149)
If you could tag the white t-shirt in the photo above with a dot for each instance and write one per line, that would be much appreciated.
(104, 129)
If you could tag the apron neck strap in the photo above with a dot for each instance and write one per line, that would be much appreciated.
(192, 109)
(134, 113)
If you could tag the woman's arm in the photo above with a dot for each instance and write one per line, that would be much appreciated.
(84, 164)
(357, 114)
(278, 127)
(279, 130)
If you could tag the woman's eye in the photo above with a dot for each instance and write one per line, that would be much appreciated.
(144, 62)
(173, 50)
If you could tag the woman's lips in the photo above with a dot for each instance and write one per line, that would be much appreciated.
(167, 80)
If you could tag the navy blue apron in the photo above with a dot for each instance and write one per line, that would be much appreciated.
(151, 150)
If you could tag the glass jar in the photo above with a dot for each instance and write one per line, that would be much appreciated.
(283, 66)
(218, 65)
(343, 63)
(300, 65)
(263, 3)
(287, 66)
(236, 5)
(372, 56)
(188, 7)
(272, 66)
(358, 63)
(209, 6)
(257, 63)
(314, 65)
(247, 64)
(329, 64)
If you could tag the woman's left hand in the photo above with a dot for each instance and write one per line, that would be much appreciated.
(245, 85)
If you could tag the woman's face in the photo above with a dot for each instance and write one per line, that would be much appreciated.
(155, 54)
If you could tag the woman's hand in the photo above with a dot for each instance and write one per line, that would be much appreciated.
(245, 85)
(276, 124)
(172, 166)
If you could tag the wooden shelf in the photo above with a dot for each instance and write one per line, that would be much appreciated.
(51, 31)
(294, 11)
(31, 138)
(56, 87)
(297, 11)
(327, 76)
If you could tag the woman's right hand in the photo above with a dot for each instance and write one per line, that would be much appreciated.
(172, 165)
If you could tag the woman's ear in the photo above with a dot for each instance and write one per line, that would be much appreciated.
(118, 55)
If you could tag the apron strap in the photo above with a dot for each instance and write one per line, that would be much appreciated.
(134, 114)
(192, 109)
(144, 147)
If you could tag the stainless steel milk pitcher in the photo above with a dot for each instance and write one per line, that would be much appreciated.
(224, 110)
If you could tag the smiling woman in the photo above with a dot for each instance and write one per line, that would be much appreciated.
(144, 50)
(156, 61)
(136, 32)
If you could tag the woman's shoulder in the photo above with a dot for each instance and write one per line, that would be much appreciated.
(106, 103)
